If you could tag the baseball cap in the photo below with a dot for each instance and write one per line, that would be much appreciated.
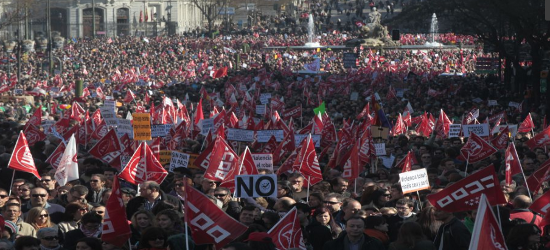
(259, 237)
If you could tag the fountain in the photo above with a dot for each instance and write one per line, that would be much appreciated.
(311, 33)
(433, 32)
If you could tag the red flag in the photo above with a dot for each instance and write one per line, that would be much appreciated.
(99, 93)
(501, 140)
(406, 163)
(270, 146)
(539, 140)
(33, 134)
(476, 149)
(464, 195)
(244, 166)
(198, 113)
(442, 125)
(486, 233)
(108, 148)
(317, 124)
(400, 127)
(130, 96)
(143, 166)
(306, 162)
(287, 233)
(352, 168)
(221, 161)
(527, 124)
(208, 223)
(115, 228)
(287, 145)
(367, 151)
(541, 204)
(513, 165)
(85, 93)
(76, 111)
(55, 157)
(535, 180)
(100, 131)
(36, 118)
(21, 158)
(365, 112)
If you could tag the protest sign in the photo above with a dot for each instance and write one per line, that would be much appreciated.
(165, 156)
(142, 126)
(252, 186)
(263, 161)
(160, 130)
(240, 135)
(125, 127)
(380, 148)
(414, 180)
(264, 135)
(264, 98)
(512, 127)
(178, 160)
(206, 125)
(298, 138)
(478, 129)
(260, 109)
(454, 130)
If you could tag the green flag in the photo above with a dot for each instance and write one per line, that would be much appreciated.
(320, 109)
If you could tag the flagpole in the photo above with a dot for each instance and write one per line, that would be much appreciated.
(419, 202)
(11, 183)
(467, 160)
(186, 237)
(308, 184)
(498, 213)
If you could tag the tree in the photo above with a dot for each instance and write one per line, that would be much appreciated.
(17, 12)
(211, 10)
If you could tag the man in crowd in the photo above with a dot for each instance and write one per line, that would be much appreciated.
(12, 212)
(230, 206)
(39, 198)
(350, 208)
(77, 193)
(297, 181)
(340, 185)
(453, 234)
(521, 210)
(3, 197)
(354, 237)
(404, 214)
(333, 202)
(150, 197)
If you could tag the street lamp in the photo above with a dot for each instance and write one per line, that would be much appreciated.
(50, 40)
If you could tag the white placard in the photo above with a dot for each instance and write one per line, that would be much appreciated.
(108, 114)
(454, 130)
(110, 104)
(478, 129)
(298, 138)
(240, 135)
(492, 103)
(252, 186)
(263, 161)
(387, 161)
(160, 130)
(264, 135)
(513, 104)
(260, 109)
(414, 180)
(264, 98)
(125, 127)
(512, 127)
(206, 125)
(380, 148)
(178, 160)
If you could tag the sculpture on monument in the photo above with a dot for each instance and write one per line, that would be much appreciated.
(373, 34)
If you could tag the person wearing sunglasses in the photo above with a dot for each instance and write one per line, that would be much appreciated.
(72, 216)
(3, 197)
(230, 206)
(39, 198)
(90, 226)
(97, 188)
(39, 218)
(153, 238)
(49, 239)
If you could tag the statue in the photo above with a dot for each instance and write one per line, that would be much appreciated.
(375, 16)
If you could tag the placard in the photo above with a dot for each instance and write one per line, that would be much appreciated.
(253, 186)
(414, 180)
(240, 135)
(492, 103)
(206, 125)
(178, 160)
(260, 109)
(165, 156)
(350, 60)
(478, 129)
(513, 104)
(264, 98)
(380, 148)
(263, 161)
(142, 126)
(454, 130)
(160, 130)
(512, 127)
(264, 135)
(125, 127)
(298, 138)
(109, 104)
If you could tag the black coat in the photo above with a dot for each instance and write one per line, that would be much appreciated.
(455, 236)
(72, 237)
(318, 235)
(369, 243)
(137, 203)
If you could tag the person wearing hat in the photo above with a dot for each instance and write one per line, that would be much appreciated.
(10, 231)
(127, 194)
(12, 212)
(260, 240)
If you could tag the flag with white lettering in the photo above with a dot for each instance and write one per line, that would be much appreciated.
(486, 233)
(287, 233)
(143, 166)
(115, 228)
(539, 140)
(465, 194)
(245, 166)
(208, 223)
(21, 159)
(541, 204)
(476, 149)
(222, 159)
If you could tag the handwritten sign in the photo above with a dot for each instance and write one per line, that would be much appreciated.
(263, 161)
(380, 148)
(414, 180)
(264, 98)
(240, 135)
(454, 130)
(260, 109)
(160, 130)
(125, 127)
(142, 126)
(206, 125)
(478, 129)
(178, 160)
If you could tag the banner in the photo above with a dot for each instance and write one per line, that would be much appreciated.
(263, 136)
(479, 129)
(252, 186)
(295, 112)
(142, 126)
(240, 135)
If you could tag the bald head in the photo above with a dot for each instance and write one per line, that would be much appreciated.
(522, 201)
(284, 204)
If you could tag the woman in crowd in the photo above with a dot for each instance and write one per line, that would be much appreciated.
(49, 239)
(97, 188)
(524, 236)
(428, 223)
(71, 218)
(377, 227)
(169, 221)
(323, 228)
(410, 237)
(90, 226)
(89, 243)
(380, 197)
(153, 238)
(39, 218)
(141, 220)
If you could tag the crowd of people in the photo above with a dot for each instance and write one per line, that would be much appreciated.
(230, 72)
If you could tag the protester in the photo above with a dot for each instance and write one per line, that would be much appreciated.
(354, 237)
(411, 237)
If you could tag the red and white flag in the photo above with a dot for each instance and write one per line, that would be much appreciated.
(541, 204)
(535, 180)
(539, 140)
(365, 112)
(55, 158)
(366, 151)
(287, 233)
(486, 233)
(465, 194)
(68, 165)
(513, 165)
(476, 149)
(406, 163)
(108, 148)
(527, 125)
(222, 159)
(306, 163)
(100, 130)
(208, 223)
(99, 93)
(143, 166)
(501, 140)
(21, 159)
(33, 134)
(244, 166)
(198, 113)
(400, 127)
(115, 228)
(130, 96)
(442, 125)
(352, 168)
(36, 118)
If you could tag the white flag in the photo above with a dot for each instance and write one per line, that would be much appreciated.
(68, 165)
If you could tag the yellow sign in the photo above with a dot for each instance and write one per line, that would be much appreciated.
(192, 158)
(165, 156)
(142, 126)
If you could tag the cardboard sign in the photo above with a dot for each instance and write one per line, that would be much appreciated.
(380, 148)
(160, 130)
(264, 98)
(380, 132)
(192, 158)
(206, 125)
(263, 161)
(260, 109)
(165, 156)
(264, 135)
(178, 160)
(387, 161)
(454, 130)
(478, 129)
(414, 180)
(298, 138)
(253, 186)
(142, 126)
(240, 135)
(125, 127)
